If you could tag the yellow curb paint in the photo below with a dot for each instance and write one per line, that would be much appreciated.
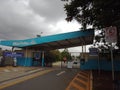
(19, 80)
(74, 85)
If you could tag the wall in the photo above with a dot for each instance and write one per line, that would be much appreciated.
(27, 60)
(93, 63)
(24, 61)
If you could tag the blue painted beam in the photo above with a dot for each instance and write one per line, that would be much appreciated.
(47, 39)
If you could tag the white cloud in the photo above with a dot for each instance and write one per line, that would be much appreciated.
(26, 18)
(18, 19)
(64, 26)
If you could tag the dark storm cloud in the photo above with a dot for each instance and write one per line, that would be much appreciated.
(17, 21)
(21, 19)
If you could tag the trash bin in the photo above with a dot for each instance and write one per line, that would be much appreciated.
(14, 62)
(2, 61)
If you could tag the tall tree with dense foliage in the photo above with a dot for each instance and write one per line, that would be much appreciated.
(52, 56)
(65, 54)
(97, 13)
(56, 54)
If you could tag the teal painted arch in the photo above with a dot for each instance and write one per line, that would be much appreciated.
(47, 39)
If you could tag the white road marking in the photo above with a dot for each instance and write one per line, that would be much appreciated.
(15, 69)
(6, 70)
(36, 70)
(60, 73)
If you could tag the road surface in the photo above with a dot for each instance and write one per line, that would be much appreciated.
(55, 80)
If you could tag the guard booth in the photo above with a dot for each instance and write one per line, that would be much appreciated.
(37, 59)
(72, 60)
(32, 57)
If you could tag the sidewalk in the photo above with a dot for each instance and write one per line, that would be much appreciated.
(9, 72)
(103, 80)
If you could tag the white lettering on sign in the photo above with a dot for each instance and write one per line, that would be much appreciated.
(22, 43)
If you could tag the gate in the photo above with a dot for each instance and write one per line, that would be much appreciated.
(72, 62)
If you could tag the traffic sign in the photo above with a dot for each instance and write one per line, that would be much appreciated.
(111, 34)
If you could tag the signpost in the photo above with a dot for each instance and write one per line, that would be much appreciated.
(111, 34)
(95, 52)
(13, 54)
(111, 37)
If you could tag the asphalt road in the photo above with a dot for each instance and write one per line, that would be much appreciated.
(55, 80)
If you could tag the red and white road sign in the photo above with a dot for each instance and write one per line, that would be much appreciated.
(111, 34)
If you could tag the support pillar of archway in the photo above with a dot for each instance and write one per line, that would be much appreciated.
(43, 58)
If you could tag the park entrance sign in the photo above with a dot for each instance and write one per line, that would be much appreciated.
(47, 43)
(13, 54)
(58, 41)
(93, 51)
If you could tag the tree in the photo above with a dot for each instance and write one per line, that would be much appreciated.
(52, 56)
(97, 13)
(56, 54)
(65, 54)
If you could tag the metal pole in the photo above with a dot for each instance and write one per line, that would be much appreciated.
(61, 64)
(112, 63)
(26, 57)
(42, 58)
(98, 63)
(13, 49)
(82, 51)
(85, 48)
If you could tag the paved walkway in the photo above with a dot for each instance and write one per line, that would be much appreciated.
(9, 72)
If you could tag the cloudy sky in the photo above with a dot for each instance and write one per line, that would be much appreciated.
(23, 19)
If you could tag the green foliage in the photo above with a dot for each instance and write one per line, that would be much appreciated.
(97, 13)
(52, 56)
(56, 54)
(66, 54)
(0, 51)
